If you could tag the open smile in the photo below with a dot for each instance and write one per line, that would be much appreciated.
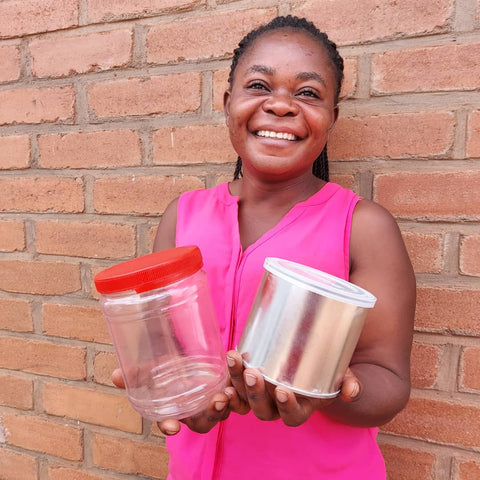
(279, 135)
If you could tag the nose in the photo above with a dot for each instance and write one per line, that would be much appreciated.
(281, 104)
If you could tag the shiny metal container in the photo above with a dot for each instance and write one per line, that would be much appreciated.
(303, 328)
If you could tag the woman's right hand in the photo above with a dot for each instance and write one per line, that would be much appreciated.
(202, 422)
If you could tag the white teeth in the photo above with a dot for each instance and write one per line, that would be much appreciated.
(280, 135)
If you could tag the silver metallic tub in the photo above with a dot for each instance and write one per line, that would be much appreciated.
(303, 328)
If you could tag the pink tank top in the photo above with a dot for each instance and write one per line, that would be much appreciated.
(315, 232)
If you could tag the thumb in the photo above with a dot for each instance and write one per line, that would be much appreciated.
(351, 387)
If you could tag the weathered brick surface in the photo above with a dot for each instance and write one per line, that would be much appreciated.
(19, 17)
(104, 363)
(16, 392)
(425, 251)
(436, 195)
(17, 466)
(469, 256)
(448, 310)
(423, 133)
(38, 277)
(140, 194)
(99, 149)
(107, 10)
(66, 473)
(85, 239)
(470, 367)
(195, 38)
(425, 361)
(12, 236)
(42, 194)
(61, 56)
(91, 406)
(45, 436)
(36, 105)
(10, 61)
(421, 465)
(127, 456)
(75, 321)
(15, 315)
(468, 470)
(14, 152)
(43, 358)
(473, 135)
(149, 96)
(417, 70)
(195, 144)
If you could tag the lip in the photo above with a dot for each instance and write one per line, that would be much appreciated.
(267, 132)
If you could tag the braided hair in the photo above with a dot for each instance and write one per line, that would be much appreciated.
(320, 166)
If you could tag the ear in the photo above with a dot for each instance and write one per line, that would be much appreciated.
(335, 118)
(226, 105)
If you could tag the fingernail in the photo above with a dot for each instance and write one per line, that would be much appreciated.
(219, 406)
(230, 361)
(281, 395)
(250, 379)
(355, 390)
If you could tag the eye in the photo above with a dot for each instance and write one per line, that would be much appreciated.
(309, 93)
(257, 85)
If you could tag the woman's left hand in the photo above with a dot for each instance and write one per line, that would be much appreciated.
(249, 390)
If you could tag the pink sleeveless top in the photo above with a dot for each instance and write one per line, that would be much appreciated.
(315, 232)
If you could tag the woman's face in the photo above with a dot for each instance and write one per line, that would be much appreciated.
(281, 106)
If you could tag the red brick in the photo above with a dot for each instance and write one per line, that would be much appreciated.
(193, 144)
(12, 236)
(82, 239)
(16, 392)
(407, 464)
(36, 105)
(44, 436)
(422, 134)
(15, 315)
(146, 96)
(448, 310)
(198, 37)
(65, 473)
(14, 152)
(470, 367)
(220, 84)
(376, 20)
(425, 251)
(19, 17)
(43, 358)
(473, 135)
(350, 72)
(91, 406)
(104, 364)
(107, 10)
(469, 256)
(17, 466)
(45, 194)
(439, 421)
(75, 321)
(416, 70)
(346, 181)
(425, 361)
(56, 56)
(37, 277)
(10, 61)
(433, 195)
(130, 457)
(468, 470)
(146, 195)
(102, 149)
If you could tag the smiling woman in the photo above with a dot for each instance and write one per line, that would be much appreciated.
(280, 108)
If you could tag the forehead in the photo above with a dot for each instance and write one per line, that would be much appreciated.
(288, 48)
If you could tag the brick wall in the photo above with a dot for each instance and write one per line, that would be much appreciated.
(110, 109)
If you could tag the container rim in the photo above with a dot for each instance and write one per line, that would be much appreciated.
(319, 282)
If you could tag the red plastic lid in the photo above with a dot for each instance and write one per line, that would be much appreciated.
(150, 271)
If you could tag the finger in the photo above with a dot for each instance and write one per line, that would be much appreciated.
(117, 378)
(169, 427)
(261, 402)
(351, 387)
(293, 410)
(235, 367)
(236, 404)
(205, 420)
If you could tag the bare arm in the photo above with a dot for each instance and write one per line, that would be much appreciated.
(165, 237)
(380, 264)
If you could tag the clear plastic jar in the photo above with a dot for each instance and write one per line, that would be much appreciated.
(163, 326)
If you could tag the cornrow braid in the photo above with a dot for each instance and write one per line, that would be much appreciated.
(320, 166)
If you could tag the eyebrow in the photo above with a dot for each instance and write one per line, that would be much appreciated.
(301, 76)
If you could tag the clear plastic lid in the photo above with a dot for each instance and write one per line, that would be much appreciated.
(319, 282)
